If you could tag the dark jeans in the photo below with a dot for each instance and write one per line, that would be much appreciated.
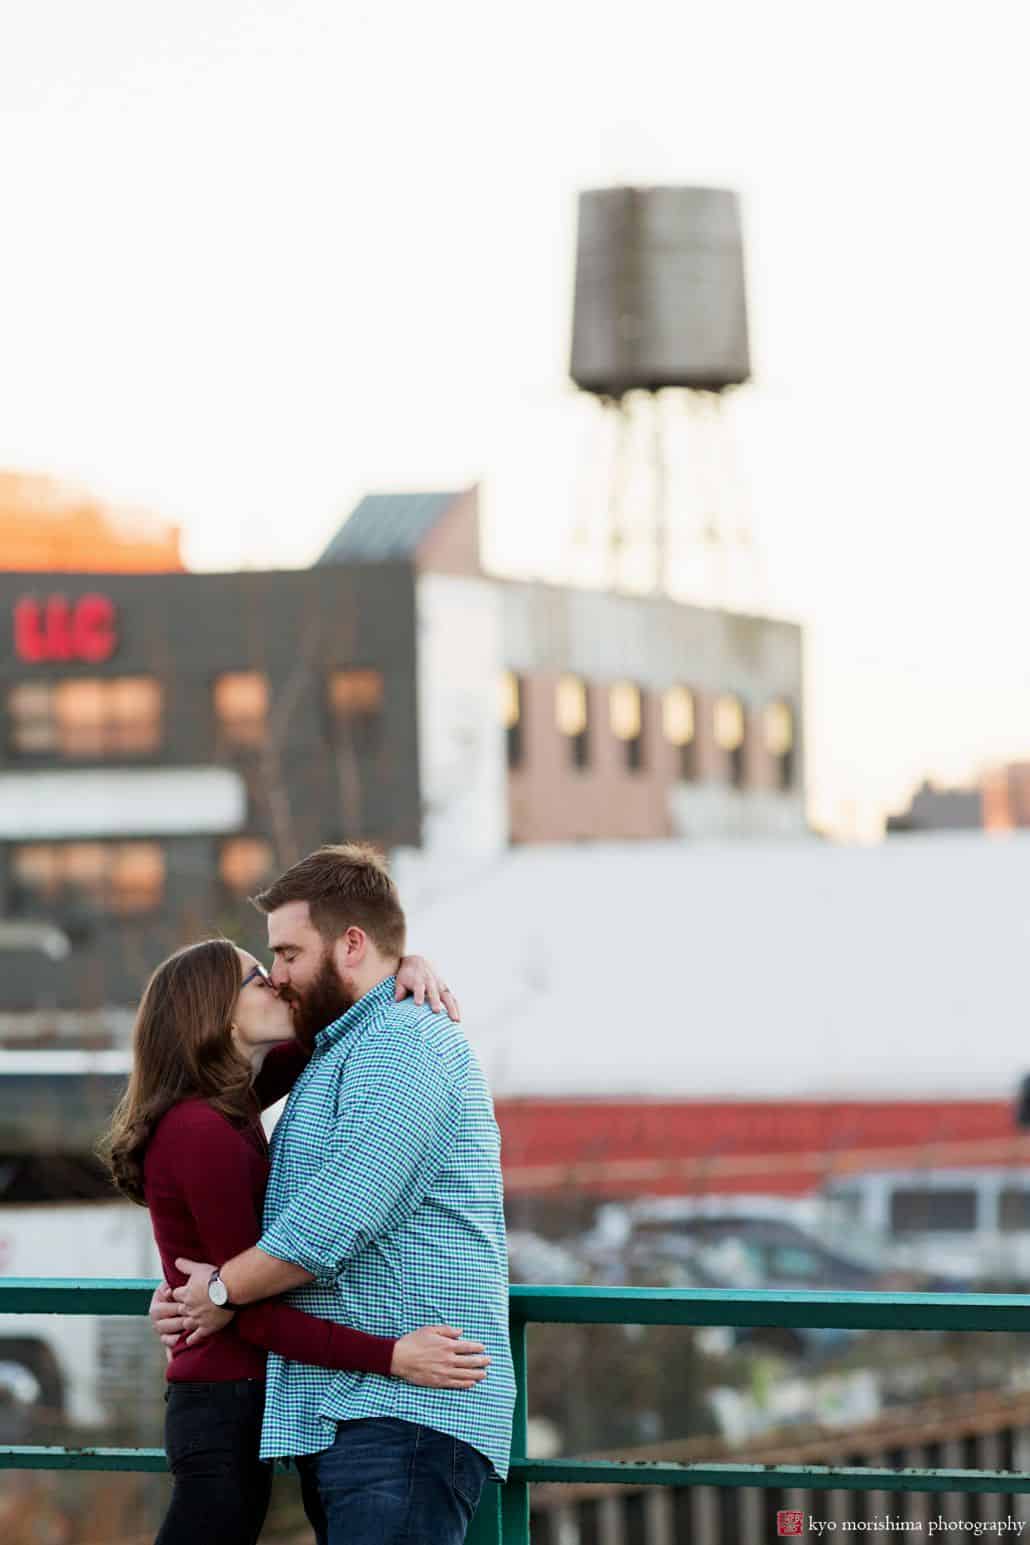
(388, 1482)
(212, 1438)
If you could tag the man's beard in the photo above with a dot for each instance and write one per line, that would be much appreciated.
(318, 1005)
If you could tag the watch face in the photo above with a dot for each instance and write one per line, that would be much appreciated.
(218, 1292)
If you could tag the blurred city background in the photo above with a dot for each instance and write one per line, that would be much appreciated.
(581, 453)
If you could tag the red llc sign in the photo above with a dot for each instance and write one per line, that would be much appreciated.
(57, 629)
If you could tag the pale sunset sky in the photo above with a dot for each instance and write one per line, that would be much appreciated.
(260, 258)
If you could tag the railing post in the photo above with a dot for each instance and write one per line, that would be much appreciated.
(515, 1494)
(503, 1516)
(485, 1528)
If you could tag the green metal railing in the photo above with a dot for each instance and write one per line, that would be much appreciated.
(503, 1518)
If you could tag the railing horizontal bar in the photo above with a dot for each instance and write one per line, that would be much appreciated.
(73, 1295)
(837, 1311)
(13, 1457)
(30, 1457)
(787, 1477)
(597, 1472)
(616, 1306)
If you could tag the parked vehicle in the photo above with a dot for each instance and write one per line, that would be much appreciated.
(969, 1223)
(616, 1221)
(73, 1366)
(684, 1246)
(532, 1258)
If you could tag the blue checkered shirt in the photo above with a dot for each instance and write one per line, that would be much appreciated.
(386, 1186)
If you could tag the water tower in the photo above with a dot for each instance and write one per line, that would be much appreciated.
(659, 323)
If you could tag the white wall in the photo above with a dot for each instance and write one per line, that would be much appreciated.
(757, 969)
(461, 748)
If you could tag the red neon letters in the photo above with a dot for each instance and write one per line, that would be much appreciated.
(58, 629)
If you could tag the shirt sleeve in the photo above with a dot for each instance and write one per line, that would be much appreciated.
(305, 1338)
(399, 1113)
(281, 1068)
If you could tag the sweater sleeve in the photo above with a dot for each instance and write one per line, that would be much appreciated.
(280, 1071)
(305, 1338)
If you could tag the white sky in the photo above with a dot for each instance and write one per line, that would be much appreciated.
(259, 258)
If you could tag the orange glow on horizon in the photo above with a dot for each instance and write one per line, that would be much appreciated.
(46, 526)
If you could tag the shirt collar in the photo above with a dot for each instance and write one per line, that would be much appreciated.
(357, 1015)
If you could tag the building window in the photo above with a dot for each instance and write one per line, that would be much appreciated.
(626, 712)
(118, 877)
(356, 705)
(87, 718)
(679, 723)
(929, 1210)
(1014, 1210)
(511, 717)
(778, 727)
(730, 736)
(241, 708)
(244, 863)
(572, 715)
(33, 729)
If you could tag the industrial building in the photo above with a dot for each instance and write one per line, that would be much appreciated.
(168, 739)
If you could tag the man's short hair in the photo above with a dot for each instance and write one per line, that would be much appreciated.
(345, 886)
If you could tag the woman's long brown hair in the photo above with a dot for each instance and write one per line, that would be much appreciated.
(182, 1047)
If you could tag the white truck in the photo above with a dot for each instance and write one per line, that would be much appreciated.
(75, 1366)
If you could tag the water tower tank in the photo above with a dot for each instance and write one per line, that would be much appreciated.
(660, 297)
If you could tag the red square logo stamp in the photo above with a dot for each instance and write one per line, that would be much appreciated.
(789, 1521)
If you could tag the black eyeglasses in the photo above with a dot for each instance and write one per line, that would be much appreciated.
(256, 971)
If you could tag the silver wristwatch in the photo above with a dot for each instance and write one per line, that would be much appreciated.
(218, 1292)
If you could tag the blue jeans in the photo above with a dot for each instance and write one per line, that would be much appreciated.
(388, 1482)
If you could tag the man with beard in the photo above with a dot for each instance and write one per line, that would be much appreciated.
(384, 1211)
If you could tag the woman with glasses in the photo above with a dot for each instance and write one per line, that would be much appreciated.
(212, 1047)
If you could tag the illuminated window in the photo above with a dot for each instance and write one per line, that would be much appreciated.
(36, 868)
(511, 716)
(356, 705)
(135, 709)
(731, 734)
(241, 708)
(31, 715)
(83, 867)
(626, 711)
(356, 692)
(136, 877)
(679, 723)
(87, 718)
(778, 729)
(244, 863)
(118, 877)
(573, 717)
(81, 714)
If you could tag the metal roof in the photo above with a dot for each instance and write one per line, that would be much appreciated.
(749, 969)
(384, 526)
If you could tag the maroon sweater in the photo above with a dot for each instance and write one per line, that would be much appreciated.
(205, 1186)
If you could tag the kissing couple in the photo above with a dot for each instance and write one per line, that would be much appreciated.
(337, 1297)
